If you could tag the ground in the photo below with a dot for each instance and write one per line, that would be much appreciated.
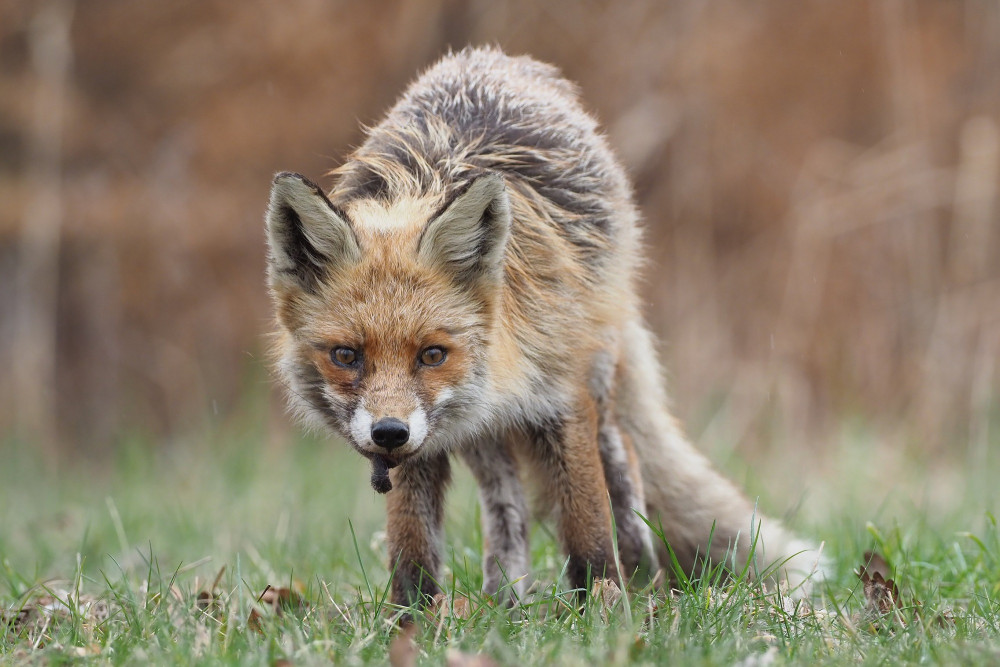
(231, 547)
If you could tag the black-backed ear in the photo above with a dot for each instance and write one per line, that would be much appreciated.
(468, 236)
(306, 234)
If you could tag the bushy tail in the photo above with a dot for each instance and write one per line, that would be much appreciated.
(683, 492)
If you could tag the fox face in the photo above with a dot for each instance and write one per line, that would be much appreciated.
(386, 310)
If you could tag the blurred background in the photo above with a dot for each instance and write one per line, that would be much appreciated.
(819, 182)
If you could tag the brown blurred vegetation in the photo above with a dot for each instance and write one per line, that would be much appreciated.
(819, 181)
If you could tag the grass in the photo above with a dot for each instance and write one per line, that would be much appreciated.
(104, 561)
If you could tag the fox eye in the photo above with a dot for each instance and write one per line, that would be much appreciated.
(433, 356)
(343, 356)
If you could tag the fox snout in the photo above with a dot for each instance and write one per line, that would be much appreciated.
(390, 433)
(401, 436)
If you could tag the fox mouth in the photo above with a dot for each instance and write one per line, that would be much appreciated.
(391, 458)
(382, 462)
(380, 474)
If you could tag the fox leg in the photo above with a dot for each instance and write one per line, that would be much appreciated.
(635, 542)
(415, 508)
(570, 465)
(505, 517)
(621, 474)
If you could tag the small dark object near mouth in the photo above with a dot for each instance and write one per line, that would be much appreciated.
(380, 475)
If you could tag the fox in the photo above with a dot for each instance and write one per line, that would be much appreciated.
(469, 289)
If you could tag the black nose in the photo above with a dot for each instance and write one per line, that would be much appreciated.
(390, 433)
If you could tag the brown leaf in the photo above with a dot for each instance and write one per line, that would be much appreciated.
(208, 603)
(37, 613)
(455, 658)
(462, 608)
(881, 593)
(279, 600)
(882, 598)
(874, 562)
(608, 594)
(208, 600)
(403, 650)
(254, 621)
(442, 607)
(15, 619)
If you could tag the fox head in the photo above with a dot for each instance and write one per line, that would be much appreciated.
(385, 310)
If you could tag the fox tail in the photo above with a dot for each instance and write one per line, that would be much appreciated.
(685, 496)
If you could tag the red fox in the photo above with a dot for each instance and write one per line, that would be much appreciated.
(468, 289)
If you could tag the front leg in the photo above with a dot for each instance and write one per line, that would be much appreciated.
(570, 464)
(505, 517)
(415, 509)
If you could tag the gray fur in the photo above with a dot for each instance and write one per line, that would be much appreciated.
(306, 234)
(505, 518)
(469, 236)
(635, 544)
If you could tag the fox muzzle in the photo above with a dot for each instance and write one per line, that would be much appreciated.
(390, 433)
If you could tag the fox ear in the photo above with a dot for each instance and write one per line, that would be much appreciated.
(468, 235)
(306, 234)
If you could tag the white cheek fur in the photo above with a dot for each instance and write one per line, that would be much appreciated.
(361, 426)
(418, 427)
(444, 396)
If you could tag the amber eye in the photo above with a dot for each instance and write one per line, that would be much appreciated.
(343, 356)
(433, 356)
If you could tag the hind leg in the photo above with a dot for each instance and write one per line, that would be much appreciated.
(635, 544)
(621, 475)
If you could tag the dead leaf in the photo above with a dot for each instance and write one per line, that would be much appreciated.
(15, 619)
(282, 599)
(608, 594)
(882, 601)
(208, 600)
(403, 649)
(461, 608)
(442, 607)
(881, 593)
(455, 658)
(874, 562)
(278, 600)
(36, 614)
(254, 622)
